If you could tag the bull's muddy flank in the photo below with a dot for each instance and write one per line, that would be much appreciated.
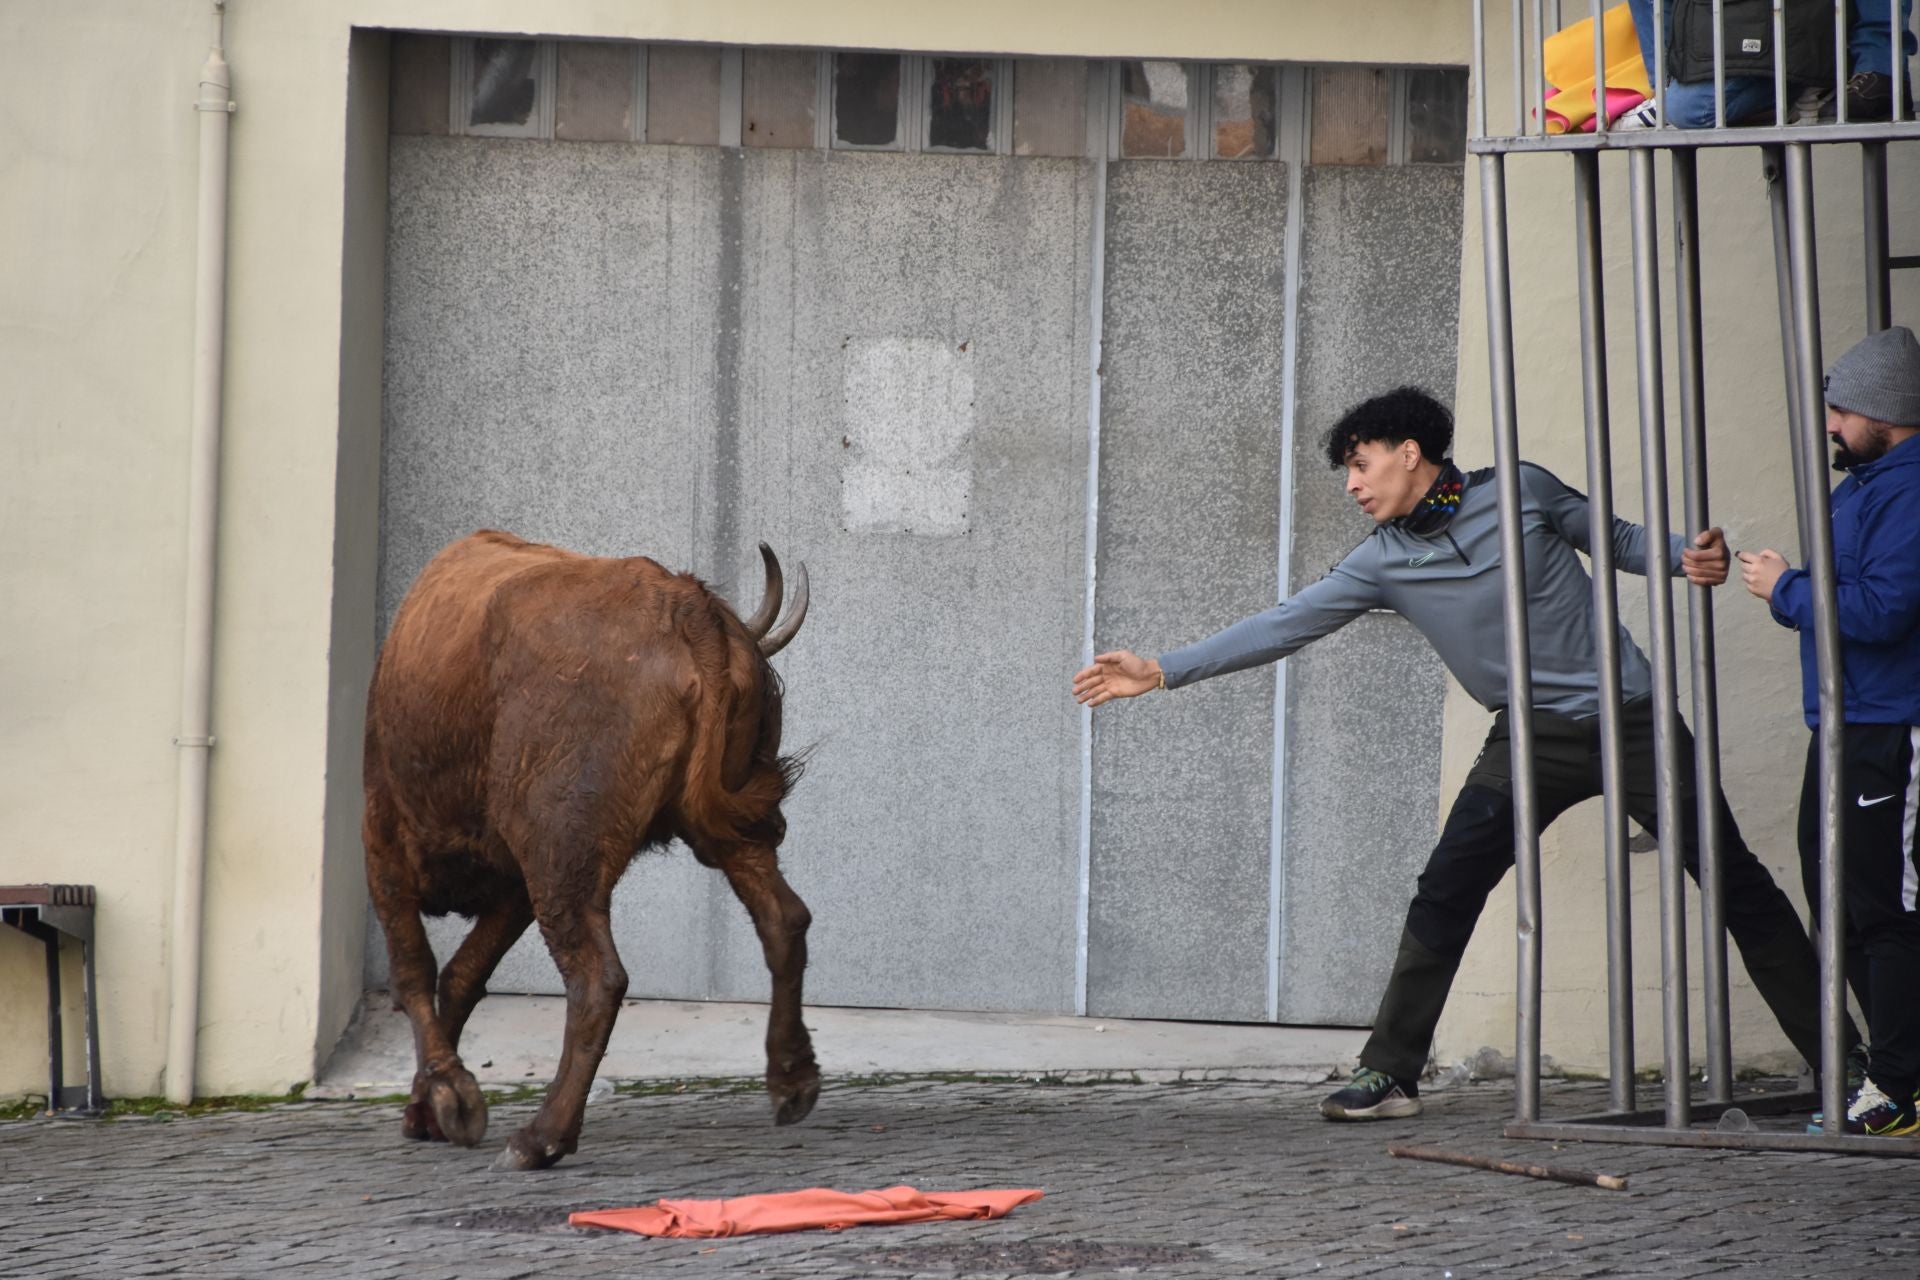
(536, 719)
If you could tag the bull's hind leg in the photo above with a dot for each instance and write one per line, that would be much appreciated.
(781, 919)
(464, 980)
(446, 1102)
(462, 984)
(580, 936)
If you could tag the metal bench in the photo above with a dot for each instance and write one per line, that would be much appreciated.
(49, 912)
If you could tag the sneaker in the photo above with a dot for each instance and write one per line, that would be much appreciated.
(1872, 1112)
(1870, 97)
(1374, 1095)
(1812, 105)
(1857, 1059)
(1644, 116)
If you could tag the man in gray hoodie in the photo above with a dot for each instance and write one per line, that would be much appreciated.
(1434, 558)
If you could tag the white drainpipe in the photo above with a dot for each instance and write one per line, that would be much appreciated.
(196, 686)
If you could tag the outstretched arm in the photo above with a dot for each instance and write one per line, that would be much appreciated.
(1315, 611)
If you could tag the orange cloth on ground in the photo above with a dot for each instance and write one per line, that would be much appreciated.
(1567, 64)
(800, 1210)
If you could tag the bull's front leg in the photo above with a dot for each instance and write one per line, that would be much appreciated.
(582, 947)
(781, 919)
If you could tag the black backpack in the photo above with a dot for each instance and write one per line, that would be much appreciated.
(1748, 42)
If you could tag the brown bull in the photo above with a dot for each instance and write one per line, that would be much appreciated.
(536, 719)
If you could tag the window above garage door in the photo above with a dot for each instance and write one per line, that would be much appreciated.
(709, 95)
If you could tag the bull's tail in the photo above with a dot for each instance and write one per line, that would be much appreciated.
(736, 777)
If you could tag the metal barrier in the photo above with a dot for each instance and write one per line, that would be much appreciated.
(47, 913)
(1786, 148)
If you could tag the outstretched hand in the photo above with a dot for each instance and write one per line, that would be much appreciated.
(1119, 674)
(1705, 562)
(1761, 571)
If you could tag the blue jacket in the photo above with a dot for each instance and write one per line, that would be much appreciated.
(1876, 555)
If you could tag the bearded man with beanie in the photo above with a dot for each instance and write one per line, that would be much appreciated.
(1434, 558)
(1873, 415)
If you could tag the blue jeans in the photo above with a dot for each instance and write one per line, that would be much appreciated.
(1870, 35)
(1690, 106)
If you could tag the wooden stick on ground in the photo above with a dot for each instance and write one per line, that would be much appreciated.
(1578, 1177)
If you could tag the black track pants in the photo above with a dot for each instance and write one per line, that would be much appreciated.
(1878, 806)
(1476, 849)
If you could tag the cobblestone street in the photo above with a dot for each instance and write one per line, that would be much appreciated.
(1210, 1179)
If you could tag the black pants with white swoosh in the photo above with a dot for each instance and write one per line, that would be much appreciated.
(1880, 775)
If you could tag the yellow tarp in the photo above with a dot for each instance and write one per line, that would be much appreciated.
(1568, 63)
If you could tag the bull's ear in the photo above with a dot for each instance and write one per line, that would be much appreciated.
(770, 598)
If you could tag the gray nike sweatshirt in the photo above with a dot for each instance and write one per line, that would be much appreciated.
(1448, 584)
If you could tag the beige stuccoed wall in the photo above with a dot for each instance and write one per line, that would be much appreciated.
(1763, 737)
(96, 294)
(97, 188)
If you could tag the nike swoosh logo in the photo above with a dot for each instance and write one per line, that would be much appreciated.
(1414, 562)
(1868, 804)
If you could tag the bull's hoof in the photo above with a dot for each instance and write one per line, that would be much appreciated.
(525, 1152)
(459, 1108)
(791, 1105)
(418, 1124)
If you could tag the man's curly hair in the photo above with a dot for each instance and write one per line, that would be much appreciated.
(1405, 413)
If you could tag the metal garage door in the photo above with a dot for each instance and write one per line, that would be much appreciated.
(882, 364)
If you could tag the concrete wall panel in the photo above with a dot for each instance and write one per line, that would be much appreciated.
(934, 834)
(546, 375)
(876, 364)
(1378, 305)
(1189, 485)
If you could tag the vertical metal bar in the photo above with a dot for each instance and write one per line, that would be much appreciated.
(56, 1038)
(1099, 107)
(732, 96)
(1606, 628)
(1774, 168)
(1479, 68)
(1540, 62)
(1898, 31)
(1706, 705)
(1719, 67)
(1779, 62)
(1826, 630)
(1513, 570)
(1660, 61)
(1519, 72)
(1599, 68)
(1839, 59)
(96, 1098)
(1873, 193)
(1666, 763)
(637, 108)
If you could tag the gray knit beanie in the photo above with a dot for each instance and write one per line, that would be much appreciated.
(1879, 378)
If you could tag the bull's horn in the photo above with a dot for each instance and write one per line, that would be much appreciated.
(770, 601)
(776, 640)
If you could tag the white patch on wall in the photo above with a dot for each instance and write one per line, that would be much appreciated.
(907, 464)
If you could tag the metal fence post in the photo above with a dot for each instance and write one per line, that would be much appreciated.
(1513, 571)
(1826, 628)
(1666, 727)
(1706, 707)
(1606, 629)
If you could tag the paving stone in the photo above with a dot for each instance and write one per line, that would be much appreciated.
(1226, 1179)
